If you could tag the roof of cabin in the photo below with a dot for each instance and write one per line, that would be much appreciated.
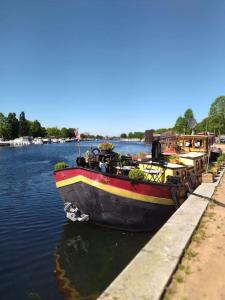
(192, 155)
(165, 165)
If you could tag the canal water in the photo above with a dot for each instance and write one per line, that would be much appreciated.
(44, 256)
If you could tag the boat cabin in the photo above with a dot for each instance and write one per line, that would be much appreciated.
(195, 143)
(197, 160)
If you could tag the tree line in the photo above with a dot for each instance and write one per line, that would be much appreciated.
(86, 136)
(214, 122)
(133, 135)
(141, 135)
(12, 127)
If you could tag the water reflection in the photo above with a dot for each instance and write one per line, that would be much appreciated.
(88, 258)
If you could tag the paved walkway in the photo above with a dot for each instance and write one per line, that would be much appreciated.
(201, 272)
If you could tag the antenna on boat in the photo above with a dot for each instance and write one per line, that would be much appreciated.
(154, 141)
(149, 137)
(192, 123)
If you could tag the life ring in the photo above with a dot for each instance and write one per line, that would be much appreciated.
(93, 151)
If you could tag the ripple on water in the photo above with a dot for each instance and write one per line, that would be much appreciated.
(33, 225)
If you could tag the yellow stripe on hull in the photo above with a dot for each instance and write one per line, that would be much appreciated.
(114, 190)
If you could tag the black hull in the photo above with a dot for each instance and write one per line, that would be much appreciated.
(113, 211)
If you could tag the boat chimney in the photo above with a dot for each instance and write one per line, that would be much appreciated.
(156, 150)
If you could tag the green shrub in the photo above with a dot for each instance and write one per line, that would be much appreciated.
(136, 175)
(106, 146)
(88, 156)
(221, 158)
(60, 165)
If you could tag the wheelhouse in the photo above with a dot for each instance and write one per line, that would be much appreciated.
(195, 143)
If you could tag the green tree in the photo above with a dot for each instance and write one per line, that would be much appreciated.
(216, 119)
(211, 124)
(162, 130)
(218, 106)
(83, 136)
(13, 126)
(130, 135)
(123, 135)
(180, 125)
(23, 125)
(4, 129)
(36, 129)
(188, 114)
(43, 132)
(216, 124)
(71, 133)
(203, 125)
(64, 132)
(53, 132)
(138, 135)
(99, 137)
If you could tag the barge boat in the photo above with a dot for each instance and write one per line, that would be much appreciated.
(110, 198)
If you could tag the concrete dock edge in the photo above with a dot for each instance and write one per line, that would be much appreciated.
(148, 274)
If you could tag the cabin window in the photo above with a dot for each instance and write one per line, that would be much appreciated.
(198, 143)
(177, 173)
(188, 143)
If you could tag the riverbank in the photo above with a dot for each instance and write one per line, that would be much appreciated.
(201, 272)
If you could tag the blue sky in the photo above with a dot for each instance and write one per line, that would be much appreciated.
(111, 66)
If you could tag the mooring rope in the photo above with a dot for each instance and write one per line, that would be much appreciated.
(208, 198)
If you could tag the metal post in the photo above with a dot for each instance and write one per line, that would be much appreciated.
(78, 145)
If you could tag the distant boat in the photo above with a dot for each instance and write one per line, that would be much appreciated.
(68, 140)
(46, 141)
(4, 144)
(62, 140)
(21, 141)
(54, 141)
(37, 141)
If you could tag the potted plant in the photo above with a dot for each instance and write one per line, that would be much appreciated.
(136, 175)
(174, 159)
(106, 147)
(213, 169)
(61, 165)
(220, 160)
(88, 156)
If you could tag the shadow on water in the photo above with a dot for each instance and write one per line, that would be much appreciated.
(89, 257)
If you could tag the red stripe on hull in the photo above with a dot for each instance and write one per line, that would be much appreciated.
(150, 189)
